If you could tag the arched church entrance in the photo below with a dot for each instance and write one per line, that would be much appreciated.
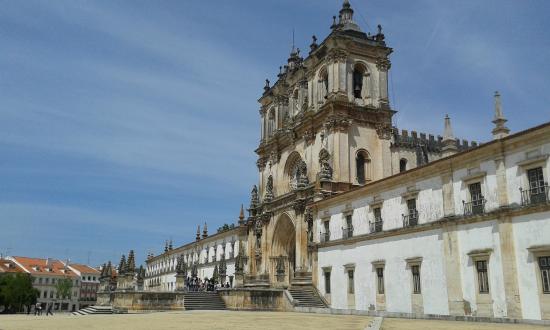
(283, 251)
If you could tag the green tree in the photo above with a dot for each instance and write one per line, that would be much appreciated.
(16, 291)
(64, 288)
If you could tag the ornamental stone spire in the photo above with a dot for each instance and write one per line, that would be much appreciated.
(500, 131)
(131, 264)
(205, 231)
(241, 215)
(198, 237)
(122, 264)
(346, 18)
(449, 142)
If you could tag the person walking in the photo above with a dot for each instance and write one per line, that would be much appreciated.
(49, 310)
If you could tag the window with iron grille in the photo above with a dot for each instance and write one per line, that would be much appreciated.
(326, 234)
(537, 189)
(327, 282)
(482, 278)
(544, 264)
(351, 284)
(476, 198)
(411, 206)
(416, 279)
(380, 277)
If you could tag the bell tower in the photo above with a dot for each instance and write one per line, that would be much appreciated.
(325, 127)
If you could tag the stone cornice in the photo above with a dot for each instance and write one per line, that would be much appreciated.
(499, 214)
(485, 152)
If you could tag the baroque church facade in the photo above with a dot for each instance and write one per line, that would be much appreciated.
(393, 221)
(371, 218)
(326, 127)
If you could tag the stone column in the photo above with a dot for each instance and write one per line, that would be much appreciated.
(451, 257)
(448, 194)
(383, 65)
(502, 186)
(510, 273)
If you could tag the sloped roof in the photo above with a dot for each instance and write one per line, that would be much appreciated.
(38, 266)
(8, 266)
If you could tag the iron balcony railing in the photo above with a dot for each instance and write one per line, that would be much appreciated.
(376, 225)
(411, 219)
(475, 207)
(347, 232)
(535, 195)
(325, 237)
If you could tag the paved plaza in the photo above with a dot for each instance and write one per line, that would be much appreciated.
(202, 320)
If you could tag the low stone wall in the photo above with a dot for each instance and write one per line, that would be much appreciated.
(257, 299)
(141, 300)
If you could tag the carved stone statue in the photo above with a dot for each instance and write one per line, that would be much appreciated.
(258, 233)
(269, 189)
(326, 169)
(303, 180)
(254, 199)
(309, 219)
(280, 266)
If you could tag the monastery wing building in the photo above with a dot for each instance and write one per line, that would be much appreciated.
(351, 213)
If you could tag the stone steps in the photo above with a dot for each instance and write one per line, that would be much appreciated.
(202, 300)
(306, 296)
(94, 310)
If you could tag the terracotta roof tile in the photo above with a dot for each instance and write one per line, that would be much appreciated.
(84, 269)
(8, 266)
(38, 266)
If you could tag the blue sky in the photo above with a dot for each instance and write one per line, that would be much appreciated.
(126, 123)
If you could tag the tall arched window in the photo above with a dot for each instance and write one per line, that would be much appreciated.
(271, 122)
(402, 165)
(358, 82)
(363, 167)
(322, 89)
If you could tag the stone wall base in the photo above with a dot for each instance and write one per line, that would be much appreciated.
(419, 316)
(141, 300)
(256, 299)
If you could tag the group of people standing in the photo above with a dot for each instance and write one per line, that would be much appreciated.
(197, 284)
(38, 309)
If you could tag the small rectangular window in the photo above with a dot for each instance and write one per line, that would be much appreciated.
(416, 279)
(351, 285)
(349, 221)
(482, 278)
(380, 282)
(327, 282)
(544, 264)
(377, 214)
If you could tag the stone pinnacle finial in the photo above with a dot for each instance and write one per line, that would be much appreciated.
(241, 215)
(346, 18)
(122, 264)
(198, 237)
(448, 132)
(449, 141)
(500, 131)
(205, 231)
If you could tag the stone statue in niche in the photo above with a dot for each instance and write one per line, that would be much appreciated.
(303, 180)
(258, 233)
(326, 169)
(269, 189)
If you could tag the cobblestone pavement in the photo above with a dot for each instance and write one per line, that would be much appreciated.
(195, 320)
(398, 324)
